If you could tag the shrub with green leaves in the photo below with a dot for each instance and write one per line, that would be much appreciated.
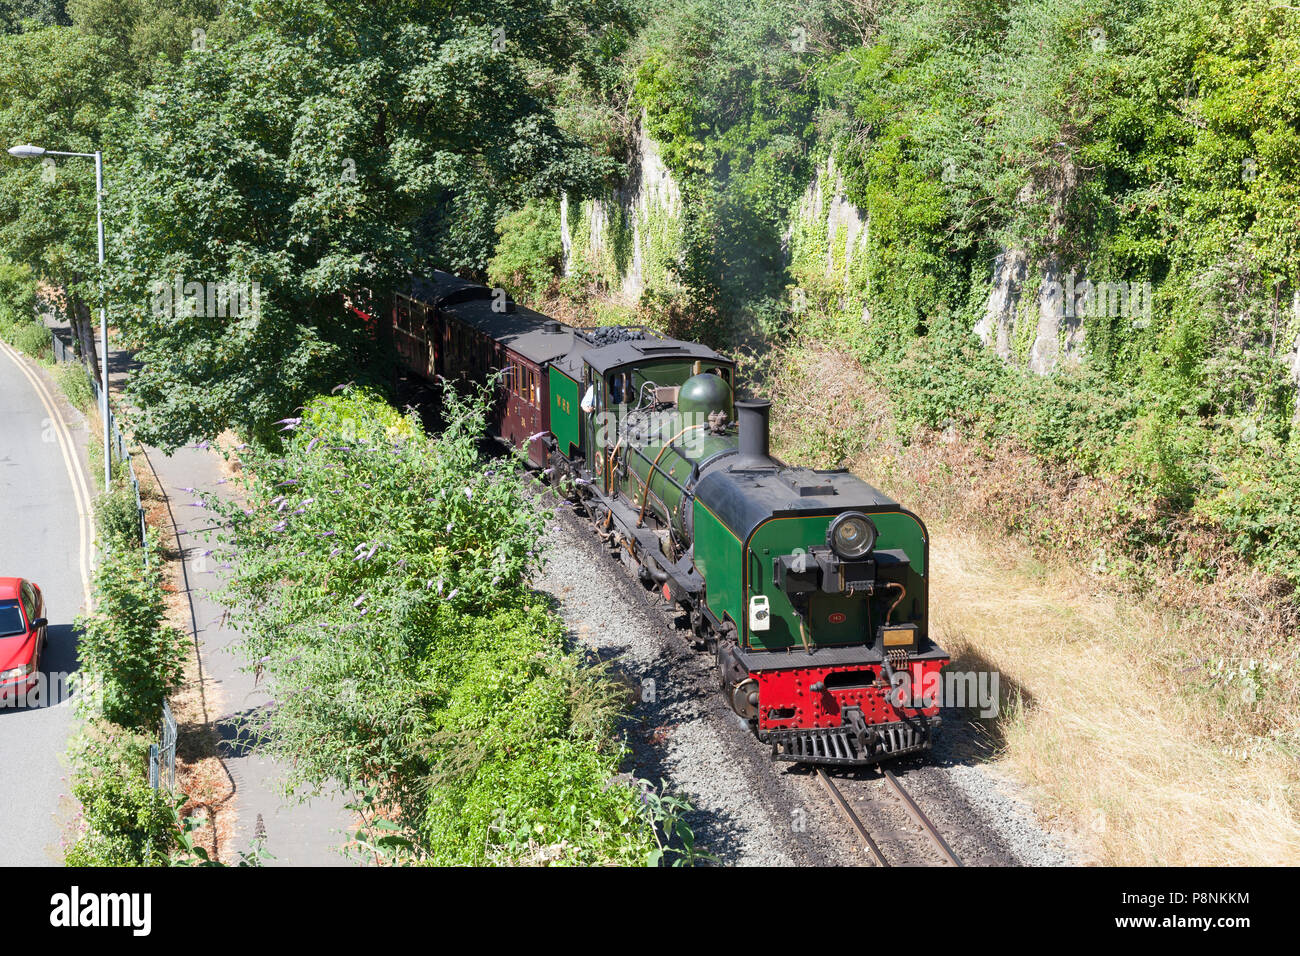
(117, 519)
(380, 584)
(124, 821)
(529, 251)
(30, 336)
(71, 377)
(131, 658)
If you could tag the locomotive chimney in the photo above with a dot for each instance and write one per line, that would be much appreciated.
(752, 416)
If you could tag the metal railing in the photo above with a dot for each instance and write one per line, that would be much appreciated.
(118, 449)
(162, 755)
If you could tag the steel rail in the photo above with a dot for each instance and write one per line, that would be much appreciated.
(838, 799)
(915, 813)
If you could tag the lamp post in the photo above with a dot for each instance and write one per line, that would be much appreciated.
(28, 151)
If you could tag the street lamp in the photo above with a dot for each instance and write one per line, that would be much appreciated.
(28, 151)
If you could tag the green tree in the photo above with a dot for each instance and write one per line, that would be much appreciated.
(58, 89)
(150, 34)
(16, 14)
(338, 147)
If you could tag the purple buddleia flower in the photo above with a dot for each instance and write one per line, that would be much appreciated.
(358, 602)
(279, 526)
(198, 504)
(189, 491)
(469, 493)
(454, 592)
(287, 481)
(202, 445)
(533, 438)
(312, 444)
(325, 534)
(335, 552)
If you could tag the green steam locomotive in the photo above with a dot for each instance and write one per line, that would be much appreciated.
(809, 587)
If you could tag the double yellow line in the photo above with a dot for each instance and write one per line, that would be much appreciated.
(77, 477)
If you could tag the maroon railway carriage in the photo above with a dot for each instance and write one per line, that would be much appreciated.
(455, 329)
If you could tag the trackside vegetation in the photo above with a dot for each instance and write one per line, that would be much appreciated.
(380, 582)
(130, 660)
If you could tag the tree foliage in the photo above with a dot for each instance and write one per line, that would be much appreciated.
(336, 147)
(380, 585)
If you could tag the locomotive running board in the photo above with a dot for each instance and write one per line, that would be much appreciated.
(685, 579)
(851, 745)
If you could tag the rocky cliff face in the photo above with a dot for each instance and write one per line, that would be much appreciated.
(1034, 315)
(627, 240)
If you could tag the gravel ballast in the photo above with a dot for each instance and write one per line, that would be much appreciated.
(750, 811)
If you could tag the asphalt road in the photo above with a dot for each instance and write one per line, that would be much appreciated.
(45, 537)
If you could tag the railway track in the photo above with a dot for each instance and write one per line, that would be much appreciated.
(936, 840)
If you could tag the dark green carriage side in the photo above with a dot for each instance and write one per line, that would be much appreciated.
(565, 422)
(717, 558)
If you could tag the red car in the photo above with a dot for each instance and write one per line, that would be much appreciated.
(22, 636)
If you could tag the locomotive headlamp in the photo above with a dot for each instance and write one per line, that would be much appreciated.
(851, 535)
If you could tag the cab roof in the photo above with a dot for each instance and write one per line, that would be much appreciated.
(636, 351)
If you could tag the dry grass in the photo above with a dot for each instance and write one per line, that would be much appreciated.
(1130, 711)
(200, 772)
(1107, 741)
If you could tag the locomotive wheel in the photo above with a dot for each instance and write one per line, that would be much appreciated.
(744, 698)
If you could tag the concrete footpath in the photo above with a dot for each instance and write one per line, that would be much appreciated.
(296, 833)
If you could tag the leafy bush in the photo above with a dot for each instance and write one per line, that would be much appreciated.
(71, 377)
(381, 588)
(124, 821)
(31, 337)
(130, 657)
(117, 519)
(529, 251)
